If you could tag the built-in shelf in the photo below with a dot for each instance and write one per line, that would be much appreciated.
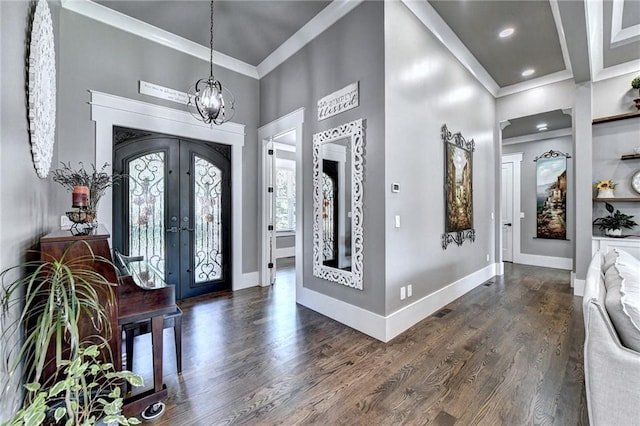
(630, 157)
(617, 117)
(617, 199)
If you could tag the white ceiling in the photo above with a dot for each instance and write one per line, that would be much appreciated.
(253, 37)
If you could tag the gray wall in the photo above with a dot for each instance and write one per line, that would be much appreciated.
(26, 211)
(614, 96)
(99, 57)
(427, 87)
(351, 50)
(530, 150)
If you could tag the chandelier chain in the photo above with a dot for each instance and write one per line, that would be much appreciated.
(211, 43)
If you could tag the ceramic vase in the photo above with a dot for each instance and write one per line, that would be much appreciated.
(613, 232)
(605, 193)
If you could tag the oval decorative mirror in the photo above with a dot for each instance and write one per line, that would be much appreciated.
(337, 204)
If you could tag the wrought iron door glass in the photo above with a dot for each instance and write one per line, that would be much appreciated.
(146, 208)
(208, 232)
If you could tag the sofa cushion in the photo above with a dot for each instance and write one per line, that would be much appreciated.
(620, 257)
(622, 301)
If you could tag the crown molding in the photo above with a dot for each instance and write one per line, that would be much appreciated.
(434, 23)
(134, 26)
(620, 36)
(595, 25)
(312, 29)
(533, 137)
(537, 82)
(555, 11)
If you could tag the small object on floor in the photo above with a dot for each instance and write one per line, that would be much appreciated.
(153, 411)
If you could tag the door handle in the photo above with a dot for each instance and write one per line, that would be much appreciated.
(507, 224)
(184, 228)
(172, 229)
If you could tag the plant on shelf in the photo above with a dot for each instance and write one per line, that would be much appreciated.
(614, 222)
(605, 188)
(68, 374)
(98, 181)
(635, 83)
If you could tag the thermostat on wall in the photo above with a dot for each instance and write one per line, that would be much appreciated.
(395, 187)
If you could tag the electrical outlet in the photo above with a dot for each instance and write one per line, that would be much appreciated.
(488, 257)
(409, 290)
(397, 221)
(403, 293)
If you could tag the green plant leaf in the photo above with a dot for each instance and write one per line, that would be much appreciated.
(32, 387)
(134, 421)
(58, 387)
(59, 413)
(609, 207)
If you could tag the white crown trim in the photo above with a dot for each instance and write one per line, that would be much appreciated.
(434, 23)
(595, 26)
(621, 36)
(555, 11)
(538, 136)
(532, 84)
(312, 29)
(134, 26)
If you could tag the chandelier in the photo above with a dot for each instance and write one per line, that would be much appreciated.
(208, 100)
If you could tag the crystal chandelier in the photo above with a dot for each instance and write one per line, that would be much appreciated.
(208, 100)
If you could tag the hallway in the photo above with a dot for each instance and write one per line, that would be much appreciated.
(508, 352)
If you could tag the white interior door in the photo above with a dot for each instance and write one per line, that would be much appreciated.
(506, 197)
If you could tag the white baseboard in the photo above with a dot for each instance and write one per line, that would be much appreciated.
(545, 261)
(410, 315)
(386, 328)
(249, 279)
(578, 285)
(285, 252)
(355, 317)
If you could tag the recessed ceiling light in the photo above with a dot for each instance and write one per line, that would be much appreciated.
(506, 32)
(528, 72)
(541, 125)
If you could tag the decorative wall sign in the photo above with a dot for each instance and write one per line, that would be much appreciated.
(551, 195)
(161, 92)
(339, 101)
(458, 188)
(42, 89)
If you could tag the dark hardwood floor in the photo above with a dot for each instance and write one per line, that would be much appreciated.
(507, 353)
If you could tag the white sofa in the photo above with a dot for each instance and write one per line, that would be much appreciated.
(611, 309)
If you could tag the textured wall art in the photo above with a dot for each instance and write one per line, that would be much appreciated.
(458, 188)
(42, 89)
(551, 195)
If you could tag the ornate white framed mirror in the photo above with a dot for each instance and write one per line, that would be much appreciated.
(337, 204)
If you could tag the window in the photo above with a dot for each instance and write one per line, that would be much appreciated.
(285, 214)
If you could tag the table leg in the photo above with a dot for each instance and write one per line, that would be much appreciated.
(156, 341)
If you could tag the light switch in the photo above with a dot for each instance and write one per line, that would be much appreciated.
(521, 215)
(397, 221)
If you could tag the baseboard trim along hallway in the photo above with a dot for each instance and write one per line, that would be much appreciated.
(386, 328)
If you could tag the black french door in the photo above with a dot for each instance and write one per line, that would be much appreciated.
(174, 208)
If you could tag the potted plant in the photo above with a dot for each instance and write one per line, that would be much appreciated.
(614, 222)
(87, 188)
(41, 313)
(605, 188)
(87, 391)
(635, 83)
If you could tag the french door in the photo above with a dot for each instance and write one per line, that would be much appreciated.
(174, 208)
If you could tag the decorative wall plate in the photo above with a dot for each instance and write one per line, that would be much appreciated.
(635, 182)
(42, 89)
